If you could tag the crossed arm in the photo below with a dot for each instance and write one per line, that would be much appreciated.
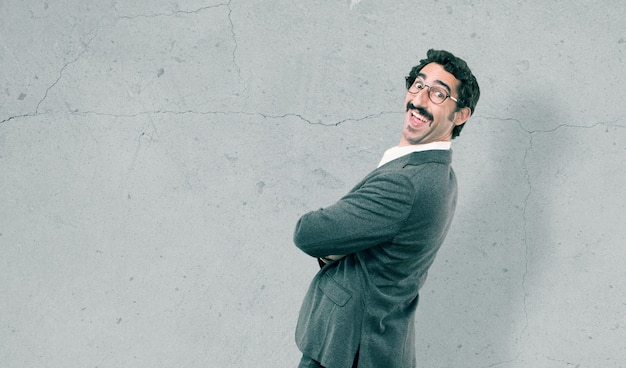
(369, 215)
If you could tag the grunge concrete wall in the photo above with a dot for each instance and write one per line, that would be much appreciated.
(155, 156)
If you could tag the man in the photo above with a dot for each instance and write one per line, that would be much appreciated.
(375, 245)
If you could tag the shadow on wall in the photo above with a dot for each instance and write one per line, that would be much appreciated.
(570, 239)
(500, 246)
(535, 189)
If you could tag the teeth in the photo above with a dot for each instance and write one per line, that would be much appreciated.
(418, 116)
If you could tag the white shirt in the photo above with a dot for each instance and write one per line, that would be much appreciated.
(399, 151)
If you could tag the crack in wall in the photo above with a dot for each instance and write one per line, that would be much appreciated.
(205, 8)
(17, 117)
(260, 114)
(57, 80)
(173, 13)
(187, 12)
(184, 112)
(564, 361)
(525, 228)
(86, 48)
(232, 31)
(366, 117)
(500, 363)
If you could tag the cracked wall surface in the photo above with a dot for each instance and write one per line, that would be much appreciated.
(155, 157)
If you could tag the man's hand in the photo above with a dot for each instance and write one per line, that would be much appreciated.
(332, 258)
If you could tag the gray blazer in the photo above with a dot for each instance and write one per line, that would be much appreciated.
(390, 226)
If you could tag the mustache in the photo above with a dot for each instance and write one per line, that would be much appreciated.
(420, 110)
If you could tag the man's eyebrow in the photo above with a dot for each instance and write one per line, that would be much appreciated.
(437, 81)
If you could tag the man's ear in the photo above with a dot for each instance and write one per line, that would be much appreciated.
(462, 115)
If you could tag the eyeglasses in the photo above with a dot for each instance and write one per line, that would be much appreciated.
(436, 94)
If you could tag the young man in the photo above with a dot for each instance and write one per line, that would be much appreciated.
(375, 244)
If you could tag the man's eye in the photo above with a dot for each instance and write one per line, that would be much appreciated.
(419, 85)
(439, 94)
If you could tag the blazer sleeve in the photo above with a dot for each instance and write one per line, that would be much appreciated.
(368, 216)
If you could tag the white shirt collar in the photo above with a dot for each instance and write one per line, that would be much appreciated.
(399, 151)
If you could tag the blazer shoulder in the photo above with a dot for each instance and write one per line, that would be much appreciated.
(432, 156)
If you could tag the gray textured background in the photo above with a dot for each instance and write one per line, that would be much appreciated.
(155, 156)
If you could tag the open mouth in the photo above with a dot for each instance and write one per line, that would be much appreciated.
(419, 119)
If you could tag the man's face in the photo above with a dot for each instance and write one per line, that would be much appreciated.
(425, 121)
